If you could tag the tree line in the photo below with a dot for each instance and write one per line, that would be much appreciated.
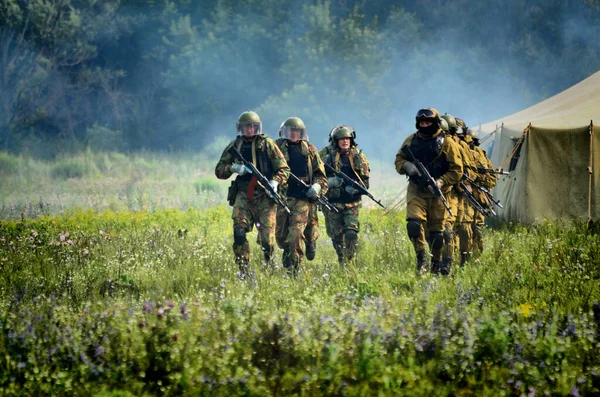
(158, 74)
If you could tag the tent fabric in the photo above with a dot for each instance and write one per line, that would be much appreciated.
(550, 152)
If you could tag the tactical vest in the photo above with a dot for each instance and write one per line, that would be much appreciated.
(256, 152)
(429, 152)
(298, 158)
(346, 164)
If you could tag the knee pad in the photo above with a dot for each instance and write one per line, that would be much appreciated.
(239, 236)
(350, 235)
(413, 227)
(448, 235)
(437, 240)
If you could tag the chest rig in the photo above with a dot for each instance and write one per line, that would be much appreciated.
(429, 152)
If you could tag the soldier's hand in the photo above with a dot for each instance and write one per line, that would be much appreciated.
(352, 191)
(439, 183)
(313, 191)
(334, 182)
(411, 169)
(274, 184)
(240, 169)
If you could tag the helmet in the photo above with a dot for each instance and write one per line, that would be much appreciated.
(293, 124)
(473, 133)
(461, 128)
(428, 114)
(450, 120)
(343, 131)
(444, 124)
(249, 118)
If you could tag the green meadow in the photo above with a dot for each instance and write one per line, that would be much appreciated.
(118, 279)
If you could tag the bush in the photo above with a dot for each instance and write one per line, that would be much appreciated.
(207, 185)
(9, 164)
(75, 167)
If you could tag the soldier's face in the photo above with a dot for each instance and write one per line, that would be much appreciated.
(344, 143)
(425, 123)
(248, 130)
(295, 135)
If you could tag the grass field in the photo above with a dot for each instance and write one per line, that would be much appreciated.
(119, 298)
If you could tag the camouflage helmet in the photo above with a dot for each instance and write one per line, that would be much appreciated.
(428, 114)
(443, 124)
(461, 127)
(343, 131)
(473, 133)
(289, 125)
(450, 120)
(249, 118)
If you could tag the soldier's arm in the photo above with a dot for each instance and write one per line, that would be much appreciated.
(365, 169)
(281, 169)
(223, 168)
(319, 175)
(455, 169)
(401, 158)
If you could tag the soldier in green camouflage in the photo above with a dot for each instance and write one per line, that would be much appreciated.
(252, 205)
(343, 226)
(304, 163)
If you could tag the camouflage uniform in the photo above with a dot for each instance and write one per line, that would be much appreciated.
(292, 228)
(251, 204)
(343, 226)
(424, 210)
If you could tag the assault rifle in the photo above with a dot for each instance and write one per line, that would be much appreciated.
(351, 182)
(473, 201)
(261, 179)
(320, 198)
(427, 179)
(499, 171)
(482, 189)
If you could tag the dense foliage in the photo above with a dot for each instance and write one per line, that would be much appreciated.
(130, 74)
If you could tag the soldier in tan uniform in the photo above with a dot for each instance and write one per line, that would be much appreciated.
(488, 181)
(251, 203)
(466, 212)
(304, 163)
(424, 210)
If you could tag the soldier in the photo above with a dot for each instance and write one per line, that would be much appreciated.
(424, 210)
(466, 212)
(488, 181)
(343, 226)
(251, 203)
(304, 163)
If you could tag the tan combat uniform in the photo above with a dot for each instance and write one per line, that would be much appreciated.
(425, 211)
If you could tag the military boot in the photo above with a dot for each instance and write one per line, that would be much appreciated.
(436, 266)
(464, 257)
(422, 264)
(339, 249)
(311, 250)
(446, 266)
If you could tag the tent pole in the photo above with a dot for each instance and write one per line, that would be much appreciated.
(590, 172)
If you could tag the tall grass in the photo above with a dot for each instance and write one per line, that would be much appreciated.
(151, 303)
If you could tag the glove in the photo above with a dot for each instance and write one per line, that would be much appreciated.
(334, 182)
(274, 184)
(411, 169)
(352, 191)
(313, 191)
(240, 169)
(439, 183)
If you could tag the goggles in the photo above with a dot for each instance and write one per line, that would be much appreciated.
(425, 113)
